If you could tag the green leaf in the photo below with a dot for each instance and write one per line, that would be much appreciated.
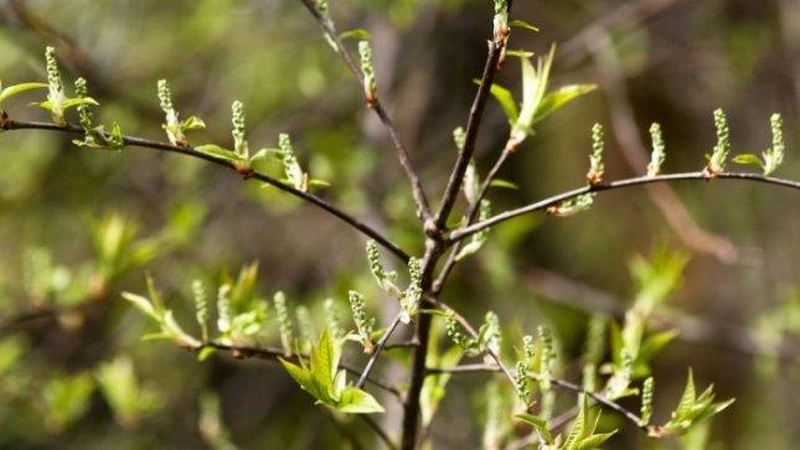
(144, 305)
(302, 376)
(356, 401)
(205, 353)
(655, 343)
(687, 399)
(524, 25)
(323, 363)
(748, 159)
(539, 423)
(193, 123)
(553, 101)
(506, 100)
(504, 184)
(72, 102)
(593, 441)
(19, 88)
(217, 152)
(359, 34)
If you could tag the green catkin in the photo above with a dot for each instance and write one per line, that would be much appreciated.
(237, 130)
(364, 323)
(773, 157)
(284, 322)
(410, 298)
(716, 163)
(201, 307)
(333, 319)
(84, 113)
(659, 154)
(305, 327)
(647, 400)
(224, 314)
(596, 167)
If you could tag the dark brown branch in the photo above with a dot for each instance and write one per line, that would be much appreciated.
(377, 351)
(9, 125)
(471, 135)
(462, 233)
(472, 215)
(403, 155)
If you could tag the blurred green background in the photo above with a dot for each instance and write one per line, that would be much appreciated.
(79, 226)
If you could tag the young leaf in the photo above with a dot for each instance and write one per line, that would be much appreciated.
(10, 91)
(748, 159)
(540, 424)
(524, 25)
(356, 33)
(553, 101)
(506, 100)
(357, 401)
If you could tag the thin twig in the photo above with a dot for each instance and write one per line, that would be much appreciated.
(9, 125)
(472, 215)
(462, 233)
(377, 351)
(274, 354)
(403, 155)
(471, 135)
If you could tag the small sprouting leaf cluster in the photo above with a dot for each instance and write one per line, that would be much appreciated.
(364, 323)
(153, 307)
(411, 295)
(572, 206)
(772, 157)
(488, 340)
(240, 155)
(583, 433)
(57, 102)
(175, 128)
(320, 376)
(95, 136)
(691, 409)
(537, 102)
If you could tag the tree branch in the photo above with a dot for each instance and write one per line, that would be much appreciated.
(473, 125)
(421, 200)
(462, 233)
(377, 352)
(9, 125)
(500, 367)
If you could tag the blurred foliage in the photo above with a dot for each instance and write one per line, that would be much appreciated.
(80, 226)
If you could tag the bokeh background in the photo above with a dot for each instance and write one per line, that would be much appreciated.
(671, 61)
